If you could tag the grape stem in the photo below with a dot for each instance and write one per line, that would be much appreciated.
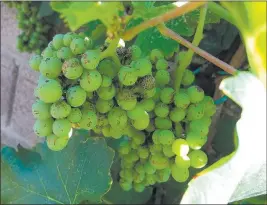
(111, 52)
(179, 11)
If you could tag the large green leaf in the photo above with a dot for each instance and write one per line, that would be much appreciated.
(79, 172)
(76, 14)
(45, 9)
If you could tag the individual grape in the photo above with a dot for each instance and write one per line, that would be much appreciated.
(60, 109)
(41, 110)
(155, 149)
(156, 97)
(195, 93)
(182, 161)
(148, 104)
(166, 95)
(89, 120)
(195, 112)
(151, 179)
(117, 118)
(126, 164)
(75, 115)
(209, 106)
(198, 159)
(143, 67)
(163, 175)
(136, 113)
(49, 91)
(161, 110)
(147, 82)
(106, 93)
(181, 100)
(178, 130)
(76, 96)
(135, 145)
(91, 80)
(104, 106)
(167, 151)
(138, 177)
(50, 67)
(200, 126)
(149, 169)
(57, 41)
(125, 185)
(72, 68)
(149, 93)
(159, 161)
(179, 174)
(106, 131)
(56, 143)
(43, 128)
(139, 187)
(102, 120)
(143, 152)
(127, 76)
(135, 52)
(124, 148)
(155, 55)
(90, 59)
(139, 168)
(162, 77)
(155, 136)
(141, 123)
(48, 52)
(127, 174)
(88, 106)
(138, 137)
(107, 68)
(127, 104)
(68, 37)
(35, 62)
(180, 147)
(77, 46)
(196, 141)
(166, 137)
(61, 127)
(163, 123)
(133, 155)
(177, 114)
(188, 77)
(162, 64)
(106, 81)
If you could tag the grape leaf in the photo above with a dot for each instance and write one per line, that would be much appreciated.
(45, 9)
(76, 14)
(79, 172)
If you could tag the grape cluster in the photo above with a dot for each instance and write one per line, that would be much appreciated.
(33, 37)
(165, 129)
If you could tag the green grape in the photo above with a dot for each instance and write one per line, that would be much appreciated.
(188, 77)
(49, 91)
(138, 137)
(148, 104)
(106, 131)
(115, 133)
(149, 93)
(56, 143)
(163, 175)
(155, 55)
(162, 64)
(195, 141)
(133, 155)
(195, 93)
(209, 106)
(139, 168)
(136, 113)
(62, 127)
(127, 174)
(162, 77)
(139, 187)
(195, 112)
(161, 110)
(142, 122)
(127, 105)
(107, 68)
(76, 96)
(102, 120)
(50, 67)
(143, 152)
(127, 76)
(48, 53)
(60, 109)
(43, 128)
(143, 67)
(91, 80)
(149, 169)
(88, 106)
(181, 100)
(35, 61)
(57, 41)
(155, 136)
(167, 151)
(159, 161)
(125, 185)
(200, 126)
(104, 106)
(151, 179)
(163, 123)
(147, 82)
(155, 149)
(68, 37)
(166, 95)
(75, 115)
(117, 118)
(41, 110)
(156, 97)
(106, 81)
(177, 114)
(77, 46)
(182, 161)
(179, 174)
(90, 59)
(180, 147)
(198, 159)
(138, 177)
(88, 43)
(72, 68)
(134, 145)
(89, 120)
(106, 93)
(178, 130)
(124, 148)
(150, 127)
(64, 53)
(135, 52)
(166, 137)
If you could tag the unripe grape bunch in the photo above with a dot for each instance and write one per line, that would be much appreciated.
(163, 130)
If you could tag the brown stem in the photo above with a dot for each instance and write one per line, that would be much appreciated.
(190, 6)
(171, 34)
